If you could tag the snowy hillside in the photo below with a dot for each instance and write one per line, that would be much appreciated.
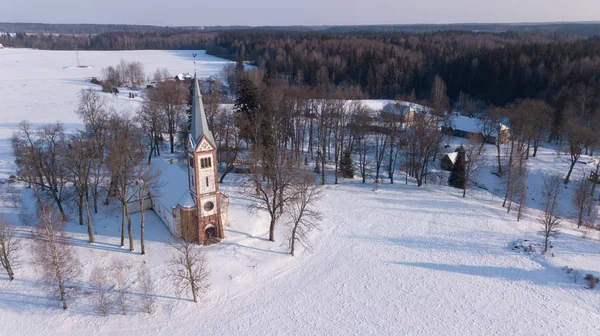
(393, 260)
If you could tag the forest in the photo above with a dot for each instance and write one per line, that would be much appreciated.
(491, 68)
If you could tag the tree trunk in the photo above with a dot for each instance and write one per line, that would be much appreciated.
(499, 162)
(194, 294)
(61, 287)
(573, 162)
(293, 239)
(6, 263)
(272, 229)
(592, 194)
(95, 198)
(142, 225)
(123, 226)
(80, 209)
(89, 220)
(129, 231)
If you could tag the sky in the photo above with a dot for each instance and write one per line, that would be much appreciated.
(296, 12)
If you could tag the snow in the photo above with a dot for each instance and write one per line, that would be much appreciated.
(452, 156)
(471, 125)
(401, 260)
(174, 184)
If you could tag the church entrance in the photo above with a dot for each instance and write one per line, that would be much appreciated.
(210, 232)
(210, 235)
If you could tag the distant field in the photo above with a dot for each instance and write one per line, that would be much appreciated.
(42, 86)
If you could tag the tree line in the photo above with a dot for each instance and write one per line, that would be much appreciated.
(495, 68)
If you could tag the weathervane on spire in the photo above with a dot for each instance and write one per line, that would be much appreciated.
(194, 56)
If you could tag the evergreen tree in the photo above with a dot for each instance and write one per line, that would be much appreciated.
(246, 106)
(457, 177)
(346, 165)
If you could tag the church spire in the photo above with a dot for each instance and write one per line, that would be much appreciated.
(199, 122)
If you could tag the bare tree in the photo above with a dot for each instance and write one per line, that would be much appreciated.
(153, 123)
(188, 267)
(78, 165)
(147, 179)
(161, 74)
(494, 116)
(9, 247)
(92, 109)
(39, 160)
(304, 216)
(169, 97)
(581, 199)
(550, 217)
(381, 142)
(579, 135)
(231, 142)
(54, 254)
(119, 269)
(135, 73)
(361, 130)
(146, 288)
(99, 282)
(271, 193)
(125, 151)
(423, 141)
(473, 162)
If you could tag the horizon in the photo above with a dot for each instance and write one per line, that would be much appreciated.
(271, 13)
(508, 23)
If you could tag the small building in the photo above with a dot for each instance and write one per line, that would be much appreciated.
(1, 46)
(472, 127)
(184, 77)
(399, 112)
(449, 160)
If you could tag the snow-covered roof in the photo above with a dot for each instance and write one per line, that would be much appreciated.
(182, 76)
(397, 109)
(471, 125)
(466, 124)
(452, 156)
(175, 189)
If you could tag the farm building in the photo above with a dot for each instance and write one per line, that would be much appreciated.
(467, 127)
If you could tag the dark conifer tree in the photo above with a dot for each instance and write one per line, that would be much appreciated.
(346, 165)
(457, 177)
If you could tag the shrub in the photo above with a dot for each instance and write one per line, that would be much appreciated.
(592, 280)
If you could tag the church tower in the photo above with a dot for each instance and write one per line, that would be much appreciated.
(211, 205)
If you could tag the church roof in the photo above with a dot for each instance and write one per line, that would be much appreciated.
(199, 122)
(174, 190)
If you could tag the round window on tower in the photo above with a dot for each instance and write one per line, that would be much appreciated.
(208, 206)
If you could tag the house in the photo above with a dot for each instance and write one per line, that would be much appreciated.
(184, 77)
(468, 127)
(398, 111)
(189, 203)
(449, 160)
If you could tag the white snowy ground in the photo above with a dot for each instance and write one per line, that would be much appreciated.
(42, 86)
(401, 260)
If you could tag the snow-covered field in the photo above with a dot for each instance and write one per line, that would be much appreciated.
(42, 86)
(399, 260)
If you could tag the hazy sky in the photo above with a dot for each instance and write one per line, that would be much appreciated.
(296, 12)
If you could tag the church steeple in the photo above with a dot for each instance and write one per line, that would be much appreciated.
(199, 122)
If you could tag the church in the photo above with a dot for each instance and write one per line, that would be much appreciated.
(191, 206)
